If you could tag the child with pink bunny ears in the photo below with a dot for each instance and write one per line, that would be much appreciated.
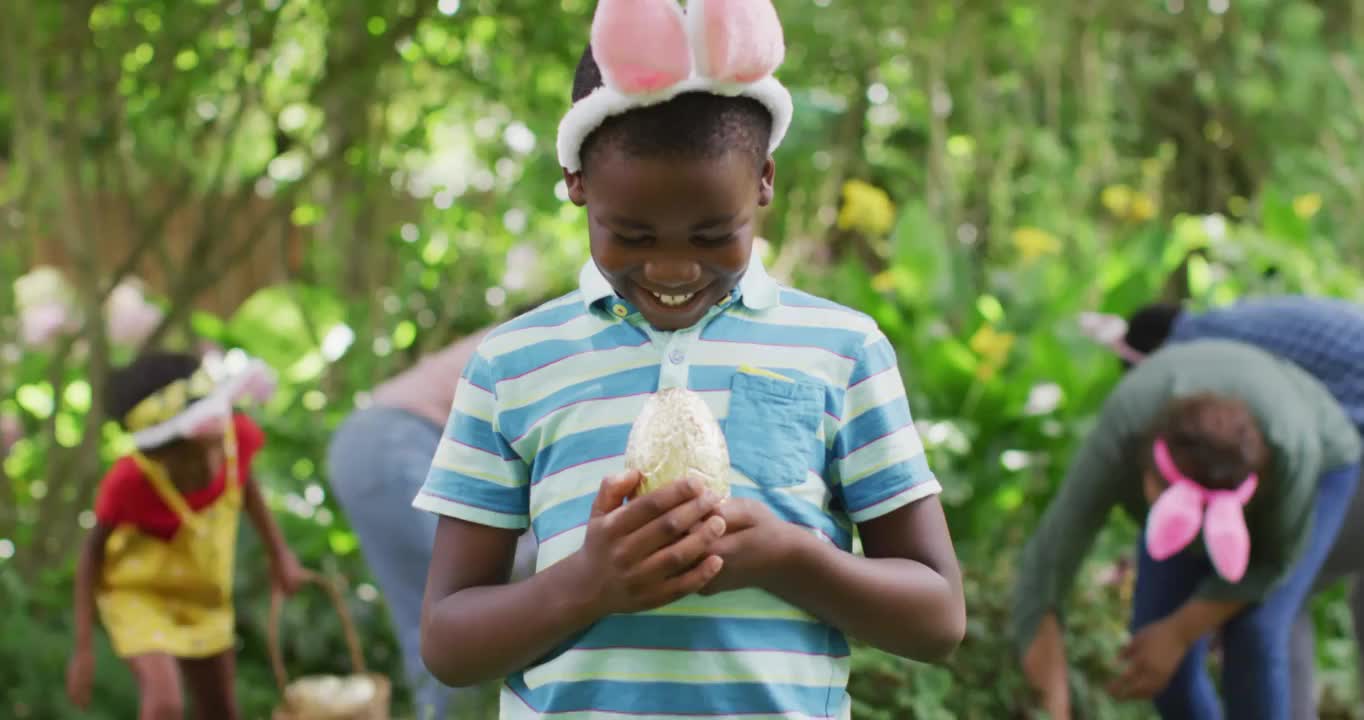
(1325, 337)
(676, 604)
(1213, 439)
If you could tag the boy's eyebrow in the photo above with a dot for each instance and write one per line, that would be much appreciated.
(707, 224)
(627, 223)
(715, 222)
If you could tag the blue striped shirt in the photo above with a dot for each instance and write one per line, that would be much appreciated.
(818, 426)
(1323, 336)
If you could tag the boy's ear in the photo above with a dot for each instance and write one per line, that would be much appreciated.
(765, 192)
(574, 181)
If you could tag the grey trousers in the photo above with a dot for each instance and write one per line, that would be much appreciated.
(1346, 562)
(376, 463)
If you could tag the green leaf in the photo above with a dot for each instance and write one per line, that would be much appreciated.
(277, 323)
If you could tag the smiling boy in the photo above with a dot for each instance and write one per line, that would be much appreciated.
(675, 604)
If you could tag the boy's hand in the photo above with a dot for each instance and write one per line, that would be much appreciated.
(1044, 665)
(1152, 656)
(755, 548)
(651, 551)
(287, 575)
(80, 677)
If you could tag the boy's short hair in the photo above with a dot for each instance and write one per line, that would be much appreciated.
(1215, 440)
(692, 124)
(1148, 327)
(133, 383)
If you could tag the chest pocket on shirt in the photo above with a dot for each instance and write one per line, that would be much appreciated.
(772, 426)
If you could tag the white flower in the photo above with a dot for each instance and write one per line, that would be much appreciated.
(39, 325)
(1043, 398)
(1102, 327)
(523, 268)
(10, 432)
(40, 286)
(129, 316)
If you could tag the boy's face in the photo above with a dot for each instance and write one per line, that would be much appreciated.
(672, 236)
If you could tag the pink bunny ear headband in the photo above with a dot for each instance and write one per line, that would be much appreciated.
(1109, 330)
(649, 52)
(1178, 513)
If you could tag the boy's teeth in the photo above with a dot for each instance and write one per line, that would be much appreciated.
(673, 299)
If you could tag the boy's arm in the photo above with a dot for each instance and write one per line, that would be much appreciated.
(285, 571)
(80, 669)
(905, 596)
(475, 627)
(910, 572)
(88, 568)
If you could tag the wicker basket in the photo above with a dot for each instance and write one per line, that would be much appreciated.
(361, 695)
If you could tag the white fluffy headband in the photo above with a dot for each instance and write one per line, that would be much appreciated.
(649, 52)
(186, 407)
(1109, 330)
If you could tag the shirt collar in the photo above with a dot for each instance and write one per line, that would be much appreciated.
(757, 290)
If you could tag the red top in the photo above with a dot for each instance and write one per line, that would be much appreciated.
(126, 496)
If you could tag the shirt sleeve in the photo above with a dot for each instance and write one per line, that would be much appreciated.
(878, 458)
(113, 501)
(475, 474)
(250, 436)
(250, 440)
(1052, 556)
(1278, 332)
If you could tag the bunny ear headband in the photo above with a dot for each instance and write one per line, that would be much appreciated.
(1109, 330)
(196, 405)
(1178, 514)
(649, 52)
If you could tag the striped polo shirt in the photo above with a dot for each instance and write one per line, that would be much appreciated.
(818, 427)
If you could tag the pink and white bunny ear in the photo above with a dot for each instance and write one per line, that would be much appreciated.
(641, 45)
(258, 383)
(1103, 328)
(1226, 536)
(1174, 520)
(735, 41)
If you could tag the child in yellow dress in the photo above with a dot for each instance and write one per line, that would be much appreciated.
(158, 564)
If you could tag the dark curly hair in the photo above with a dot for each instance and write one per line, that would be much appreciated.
(1213, 439)
(134, 382)
(1150, 326)
(689, 125)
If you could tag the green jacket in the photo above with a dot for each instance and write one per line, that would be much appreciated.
(1307, 432)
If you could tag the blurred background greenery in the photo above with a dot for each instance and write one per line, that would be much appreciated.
(340, 185)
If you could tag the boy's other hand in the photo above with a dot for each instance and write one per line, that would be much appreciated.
(287, 575)
(650, 551)
(80, 677)
(756, 547)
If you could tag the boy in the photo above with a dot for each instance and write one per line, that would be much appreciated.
(1324, 337)
(675, 604)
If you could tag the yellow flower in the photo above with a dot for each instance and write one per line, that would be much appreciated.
(1238, 206)
(993, 348)
(1116, 199)
(866, 208)
(1305, 206)
(1033, 243)
(884, 281)
(1124, 203)
(1142, 208)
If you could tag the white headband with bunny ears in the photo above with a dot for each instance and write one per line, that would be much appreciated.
(1109, 330)
(649, 52)
(255, 381)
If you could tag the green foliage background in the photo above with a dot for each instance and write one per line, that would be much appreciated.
(973, 174)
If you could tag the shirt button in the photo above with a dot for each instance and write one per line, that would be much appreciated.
(676, 357)
(619, 310)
